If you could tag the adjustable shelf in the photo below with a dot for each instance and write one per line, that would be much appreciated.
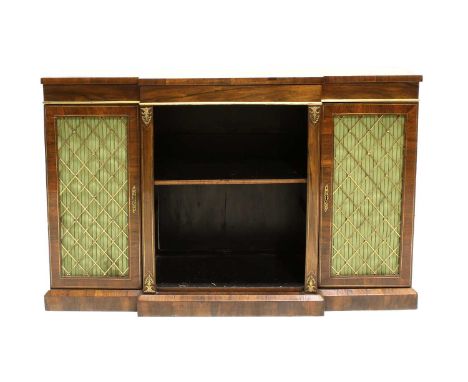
(220, 168)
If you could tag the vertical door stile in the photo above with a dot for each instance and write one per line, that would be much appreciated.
(313, 198)
(148, 210)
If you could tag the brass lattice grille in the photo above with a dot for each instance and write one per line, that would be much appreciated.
(367, 194)
(93, 196)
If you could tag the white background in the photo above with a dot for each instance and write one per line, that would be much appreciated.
(235, 39)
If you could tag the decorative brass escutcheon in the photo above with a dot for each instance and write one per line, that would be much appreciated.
(146, 115)
(149, 284)
(325, 198)
(314, 114)
(310, 284)
(134, 199)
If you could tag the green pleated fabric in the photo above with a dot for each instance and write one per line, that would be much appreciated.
(367, 194)
(93, 196)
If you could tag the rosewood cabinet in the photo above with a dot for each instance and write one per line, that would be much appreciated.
(263, 196)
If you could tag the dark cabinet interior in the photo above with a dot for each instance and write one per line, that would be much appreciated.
(231, 234)
(230, 142)
(217, 234)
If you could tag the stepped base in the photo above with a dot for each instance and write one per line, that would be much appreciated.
(231, 305)
(92, 299)
(370, 299)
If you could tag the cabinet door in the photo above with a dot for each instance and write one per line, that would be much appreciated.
(368, 168)
(93, 183)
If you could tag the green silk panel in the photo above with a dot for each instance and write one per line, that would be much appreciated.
(367, 194)
(93, 196)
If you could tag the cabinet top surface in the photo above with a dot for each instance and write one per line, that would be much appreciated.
(48, 81)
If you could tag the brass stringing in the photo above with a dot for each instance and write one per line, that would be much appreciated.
(325, 198)
(311, 284)
(149, 284)
(146, 115)
(314, 114)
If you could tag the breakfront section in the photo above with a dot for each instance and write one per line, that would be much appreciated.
(93, 181)
(264, 196)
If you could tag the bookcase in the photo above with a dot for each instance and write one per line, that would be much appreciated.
(262, 196)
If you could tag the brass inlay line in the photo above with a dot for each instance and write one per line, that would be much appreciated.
(228, 103)
(90, 102)
(364, 100)
(326, 100)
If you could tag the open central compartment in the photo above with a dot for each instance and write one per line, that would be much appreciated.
(230, 194)
(230, 142)
(231, 234)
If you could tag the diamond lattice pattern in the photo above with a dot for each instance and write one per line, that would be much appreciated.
(93, 187)
(367, 194)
